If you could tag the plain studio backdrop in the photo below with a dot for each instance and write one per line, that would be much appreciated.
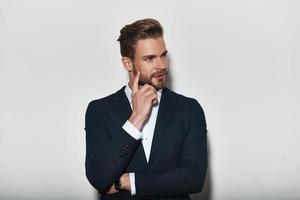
(239, 59)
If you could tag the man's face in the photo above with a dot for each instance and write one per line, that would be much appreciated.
(151, 60)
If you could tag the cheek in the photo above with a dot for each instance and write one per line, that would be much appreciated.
(145, 69)
(167, 62)
(145, 75)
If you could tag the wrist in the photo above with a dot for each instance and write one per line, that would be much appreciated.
(136, 121)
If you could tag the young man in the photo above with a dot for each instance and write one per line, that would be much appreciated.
(145, 141)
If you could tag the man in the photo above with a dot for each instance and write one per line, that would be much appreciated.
(145, 141)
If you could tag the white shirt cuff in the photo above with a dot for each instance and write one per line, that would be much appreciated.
(132, 130)
(132, 183)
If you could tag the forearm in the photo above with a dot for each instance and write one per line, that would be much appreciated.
(186, 178)
(183, 180)
(104, 165)
(108, 150)
(180, 181)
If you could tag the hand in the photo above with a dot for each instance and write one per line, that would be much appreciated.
(112, 190)
(125, 182)
(143, 99)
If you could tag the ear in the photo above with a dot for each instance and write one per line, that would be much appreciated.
(127, 63)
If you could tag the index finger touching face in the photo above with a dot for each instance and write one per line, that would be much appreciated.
(135, 86)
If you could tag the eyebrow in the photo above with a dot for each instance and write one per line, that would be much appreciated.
(164, 53)
(153, 56)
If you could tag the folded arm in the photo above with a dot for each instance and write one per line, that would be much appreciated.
(106, 157)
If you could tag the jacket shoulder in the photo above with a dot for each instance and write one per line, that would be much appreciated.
(107, 100)
(182, 99)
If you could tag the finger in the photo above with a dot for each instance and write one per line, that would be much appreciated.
(151, 97)
(149, 92)
(144, 88)
(155, 102)
(147, 87)
(135, 86)
(154, 99)
(111, 190)
(152, 88)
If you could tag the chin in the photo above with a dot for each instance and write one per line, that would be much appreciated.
(159, 86)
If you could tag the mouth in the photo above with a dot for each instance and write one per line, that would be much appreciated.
(159, 77)
(160, 74)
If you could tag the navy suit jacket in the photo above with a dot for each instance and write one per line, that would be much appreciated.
(178, 158)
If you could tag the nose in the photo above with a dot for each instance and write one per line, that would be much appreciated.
(161, 63)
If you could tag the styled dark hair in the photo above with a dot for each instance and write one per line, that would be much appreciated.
(141, 29)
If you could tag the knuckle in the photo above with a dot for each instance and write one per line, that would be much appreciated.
(147, 86)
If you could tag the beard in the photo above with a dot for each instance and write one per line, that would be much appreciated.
(157, 83)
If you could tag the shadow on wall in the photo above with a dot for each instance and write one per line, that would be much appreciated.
(206, 192)
(169, 76)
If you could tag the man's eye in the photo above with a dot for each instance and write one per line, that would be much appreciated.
(148, 59)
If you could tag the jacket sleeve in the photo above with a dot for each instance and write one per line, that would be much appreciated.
(189, 176)
(106, 156)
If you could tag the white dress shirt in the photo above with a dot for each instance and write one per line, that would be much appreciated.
(146, 134)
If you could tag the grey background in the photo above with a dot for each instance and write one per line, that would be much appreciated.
(240, 59)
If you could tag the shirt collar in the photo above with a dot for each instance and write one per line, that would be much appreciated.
(128, 94)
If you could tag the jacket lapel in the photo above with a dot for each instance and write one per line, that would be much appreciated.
(163, 121)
